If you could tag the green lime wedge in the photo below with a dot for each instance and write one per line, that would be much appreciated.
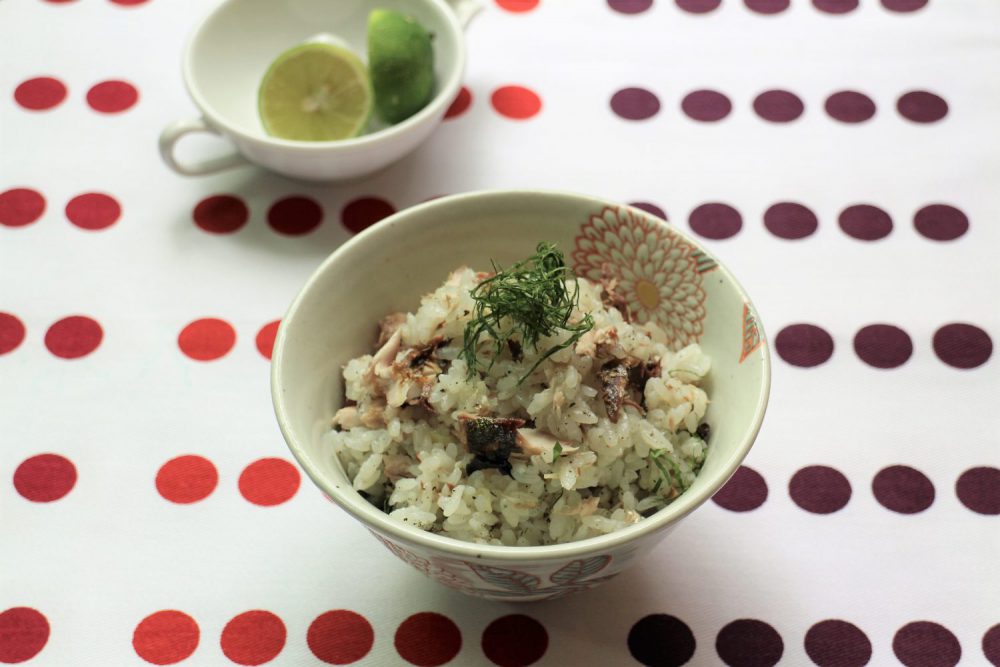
(315, 92)
(401, 62)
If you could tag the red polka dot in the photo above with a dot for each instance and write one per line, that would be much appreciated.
(941, 222)
(253, 637)
(716, 221)
(767, 6)
(661, 640)
(904, 5)
(517, 6)
(221, 214)
(748, 642)
(850, 106)
(820, 489)
(73, 337)
(837, 643)
(23, 634)
(836, 6)
(460, 104)
(630, 6)
(926, 644)
(187, 479)
(207, 339)
(789, 220)
(516, 102)
(269, 481)
(883, 345)
(20, 207)
(93, 210)
(922, 106)
(428, 639)
(979, 490)
(515, 641)
(991, 645)
(129, 3)
(804, 345)
(295, 216)
(112, 96)
(363, 212)
(40, 93)
(265, 338)
(165, 637)
(649, 207)
(11, 332)
(865, 222)
(778, 106)
(962, 345)
(698, 6)
(340, 637)
(44, 478)
(903, 489)
(746, 490)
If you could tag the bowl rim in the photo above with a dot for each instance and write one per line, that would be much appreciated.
(375, 519)
(443, 98)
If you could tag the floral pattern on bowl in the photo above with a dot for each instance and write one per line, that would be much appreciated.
(502, 583)
(657, 273)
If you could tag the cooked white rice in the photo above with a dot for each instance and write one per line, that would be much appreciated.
(408, 456)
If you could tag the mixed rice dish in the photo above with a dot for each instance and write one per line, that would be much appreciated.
(522, 407)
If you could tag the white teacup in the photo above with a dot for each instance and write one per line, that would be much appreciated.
(227, 56)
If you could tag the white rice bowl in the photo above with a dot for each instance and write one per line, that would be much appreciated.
(401, 441)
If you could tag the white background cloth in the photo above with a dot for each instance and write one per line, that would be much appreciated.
(112, 551)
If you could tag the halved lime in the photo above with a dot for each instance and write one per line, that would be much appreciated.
(401, 62)
(315, 92)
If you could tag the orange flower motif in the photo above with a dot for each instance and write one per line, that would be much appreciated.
(658, 272)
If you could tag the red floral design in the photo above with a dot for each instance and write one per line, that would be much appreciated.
(577, 575)
(751, 334)
(658, 273)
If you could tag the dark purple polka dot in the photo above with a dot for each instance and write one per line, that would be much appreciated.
(991, 645)
(926, 644)
(940, 222)
(630, 6)
(698, 6)
(748, 642)
(706, 106)
(804, 345)
(850, 106)
(819, 489)
(649, 208)
(836, 6)
(883, 345)
(716, 221)
(903, 489)
(904, 5)
(921, 106)
(835, 643)
(746, 490)
(767, 6)
(962, 345)
(788, 220)
(778, 106)
(979, 490)
(635, 104)
(865, 222)
(659, 640)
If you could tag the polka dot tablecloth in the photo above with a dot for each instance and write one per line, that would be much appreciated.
(841, 156)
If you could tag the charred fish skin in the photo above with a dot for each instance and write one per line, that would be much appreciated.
(614, 387)
(491, 441)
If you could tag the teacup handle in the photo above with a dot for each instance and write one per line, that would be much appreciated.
(465, 10)
(175, 131)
